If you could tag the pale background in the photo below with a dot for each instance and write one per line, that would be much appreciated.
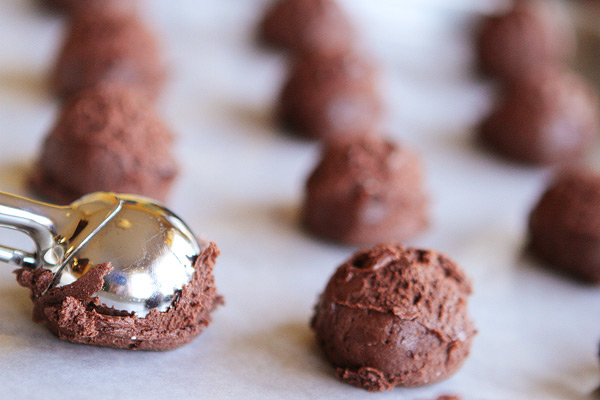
(241, 187)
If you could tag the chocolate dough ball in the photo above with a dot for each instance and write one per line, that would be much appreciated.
(546, 117)
(330, 97)
(307, 26)
(107, 138)
(532, 34)
(366, 191)
(564, 226)
(107, 45)
(75, 314)
(395, 316)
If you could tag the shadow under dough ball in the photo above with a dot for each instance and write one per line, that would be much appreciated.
(59, 5)
(71, 6)
(545, 117)
(307, 26)
(105, 45)
(532, 34)
(108, 138)
(564, 226)
(395, 316)
(364, 192)
(330, 97)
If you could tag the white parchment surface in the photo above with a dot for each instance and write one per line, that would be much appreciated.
(241, 186)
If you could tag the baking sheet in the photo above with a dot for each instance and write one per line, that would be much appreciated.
(241, 186)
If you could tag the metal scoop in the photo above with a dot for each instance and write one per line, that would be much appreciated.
(150, 249)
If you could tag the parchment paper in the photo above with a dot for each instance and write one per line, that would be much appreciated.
(241, 186)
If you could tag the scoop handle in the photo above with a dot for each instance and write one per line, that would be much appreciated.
(17, 257)
(37, 220)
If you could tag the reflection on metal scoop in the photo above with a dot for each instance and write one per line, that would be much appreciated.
(150, 249)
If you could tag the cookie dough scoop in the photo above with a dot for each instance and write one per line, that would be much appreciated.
(113, 270)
